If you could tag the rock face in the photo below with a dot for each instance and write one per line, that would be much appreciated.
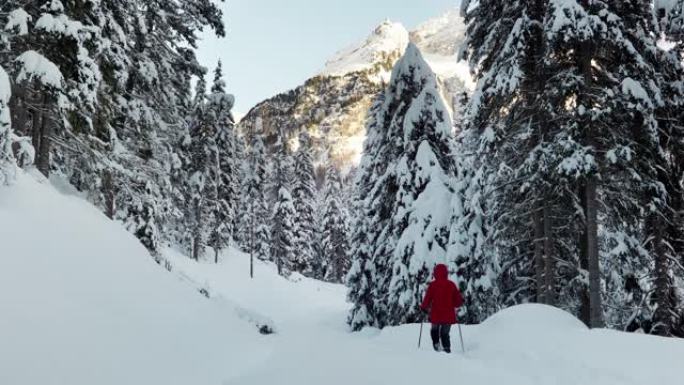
(332, 106)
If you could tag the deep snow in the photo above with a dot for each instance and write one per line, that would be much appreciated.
(81, 302)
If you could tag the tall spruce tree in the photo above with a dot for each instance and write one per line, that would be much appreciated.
(256, 229)
(283, 214)
(505, 123)
(365, 222)
(566, 115)
(282, 232)
(609, 127)
(304, 196)
(334, 227)
(478, 266)
(667, 224)
(424, 173)
(202, 175)
(227, 170)
(409, 166)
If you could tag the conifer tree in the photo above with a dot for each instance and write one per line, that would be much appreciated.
(304, 195)
(478, 266)
(282, 232)
(202, 174)
(406, 165)
(425, 173)
(334, 239)
(257, 202)
(227, 169)
(505, 124)
(365, 222)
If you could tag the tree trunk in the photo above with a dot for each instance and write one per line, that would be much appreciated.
(591, 205)
(539, 255)
(251, 238)
(584, 57)
(663, 318)
(197, 236)
(195, 248)
(109, 194)
(584, 265)
(44, 132)
(549, 259)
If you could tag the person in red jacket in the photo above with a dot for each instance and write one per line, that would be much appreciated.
(442, 299)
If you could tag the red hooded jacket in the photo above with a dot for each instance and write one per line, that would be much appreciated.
(442, 298)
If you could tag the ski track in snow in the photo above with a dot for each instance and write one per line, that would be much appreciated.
(85, 305)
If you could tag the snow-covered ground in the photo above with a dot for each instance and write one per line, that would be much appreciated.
(81, 302)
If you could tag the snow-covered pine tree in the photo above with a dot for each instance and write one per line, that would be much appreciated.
(666, 224)
(334, 240)
(282, 168)
(202, 174)
(227, 168)
(365, 223)
(319, 264)
(282, 232)
(405, 164)
(425, 174)
(255, 201)
(608, 128)
(478, 266)
(283, 213)
(505, 127)
(304, 195)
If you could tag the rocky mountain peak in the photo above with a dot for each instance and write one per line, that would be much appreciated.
(384, 45)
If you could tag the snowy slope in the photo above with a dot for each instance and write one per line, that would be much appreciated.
(83, 303)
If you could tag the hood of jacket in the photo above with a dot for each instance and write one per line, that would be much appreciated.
(440, 272)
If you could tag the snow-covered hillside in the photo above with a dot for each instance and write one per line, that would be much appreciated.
(85, 304)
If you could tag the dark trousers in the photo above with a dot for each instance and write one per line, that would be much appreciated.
(441, 331)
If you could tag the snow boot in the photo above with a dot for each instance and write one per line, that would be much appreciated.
(437, 347)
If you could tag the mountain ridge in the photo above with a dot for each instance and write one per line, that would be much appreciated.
(333, 103)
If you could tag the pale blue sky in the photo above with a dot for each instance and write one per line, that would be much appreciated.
(274, 45)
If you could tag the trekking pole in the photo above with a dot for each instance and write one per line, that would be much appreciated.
(461, 335)
(420, 335)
